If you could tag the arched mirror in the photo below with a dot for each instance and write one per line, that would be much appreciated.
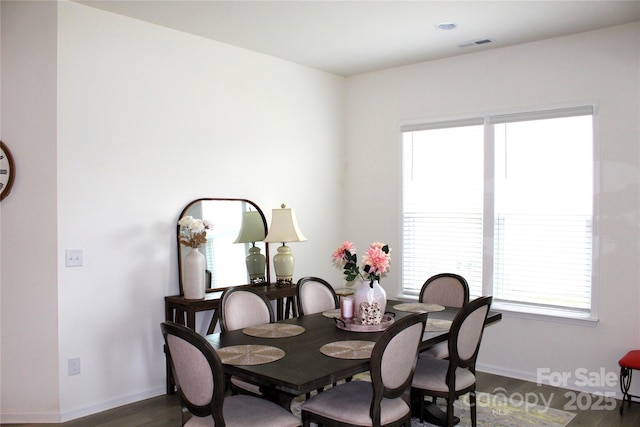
(227, 244)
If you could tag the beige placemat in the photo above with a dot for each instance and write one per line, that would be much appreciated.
(418, 307)
(249, 354)
(348, 349)
(273, 330)
(438, 325)
(332, 313)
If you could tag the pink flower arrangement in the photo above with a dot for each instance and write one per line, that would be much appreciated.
(375, 261)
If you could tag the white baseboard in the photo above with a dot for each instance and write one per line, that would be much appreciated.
(613, 391)
(57, 418)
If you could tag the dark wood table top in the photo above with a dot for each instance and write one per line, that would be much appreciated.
(304, 368)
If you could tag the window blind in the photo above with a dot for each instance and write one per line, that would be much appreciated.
(537, 229)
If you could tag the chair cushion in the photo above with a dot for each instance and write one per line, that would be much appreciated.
(438, 351)
(431, 375)
(631, 360)
(248, 411)
(350, 403)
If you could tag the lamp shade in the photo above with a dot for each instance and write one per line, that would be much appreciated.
(252, 228)
(284, 227)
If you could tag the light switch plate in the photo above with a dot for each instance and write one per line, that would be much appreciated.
(73, 258)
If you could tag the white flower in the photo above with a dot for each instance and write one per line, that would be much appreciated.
(193, 231)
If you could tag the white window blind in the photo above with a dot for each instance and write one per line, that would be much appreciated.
(543, 212)
(514, 195)
(442, 205)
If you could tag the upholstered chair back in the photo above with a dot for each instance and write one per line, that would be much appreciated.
(447, 289)
(315, 295)
(466, 332)
(244, 307)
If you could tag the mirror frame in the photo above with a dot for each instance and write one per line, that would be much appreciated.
(215, 199)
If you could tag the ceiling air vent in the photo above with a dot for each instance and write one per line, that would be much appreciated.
(475, 43)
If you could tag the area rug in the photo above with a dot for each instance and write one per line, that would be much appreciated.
(492, 410)
(500, 411)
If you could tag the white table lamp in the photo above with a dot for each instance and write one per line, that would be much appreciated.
(284, 229)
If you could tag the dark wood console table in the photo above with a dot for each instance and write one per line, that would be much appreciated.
(183, 311)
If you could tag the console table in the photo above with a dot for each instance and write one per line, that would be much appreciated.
(183, 311)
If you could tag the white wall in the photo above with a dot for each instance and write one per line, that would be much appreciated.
(601, 66)
(147, 119)
(126, 122)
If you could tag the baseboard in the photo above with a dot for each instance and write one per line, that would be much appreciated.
(57, 418)
(613, 391)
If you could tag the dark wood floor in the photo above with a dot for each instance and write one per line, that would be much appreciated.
(163, 411)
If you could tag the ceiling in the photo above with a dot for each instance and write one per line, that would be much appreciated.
(353, 37)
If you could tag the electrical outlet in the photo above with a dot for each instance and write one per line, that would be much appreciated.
(74, 366)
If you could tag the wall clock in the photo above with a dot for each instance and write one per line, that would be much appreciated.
(7, 171)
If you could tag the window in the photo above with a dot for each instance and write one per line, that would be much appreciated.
(507, 202)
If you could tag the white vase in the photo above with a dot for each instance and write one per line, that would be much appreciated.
(368, 292)
(193, 267)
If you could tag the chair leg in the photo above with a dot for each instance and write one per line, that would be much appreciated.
(472, 403)
(625, 384)
(450, 411)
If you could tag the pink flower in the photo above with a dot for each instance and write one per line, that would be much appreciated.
(339, 253)
(377, 260)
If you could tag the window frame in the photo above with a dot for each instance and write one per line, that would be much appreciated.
(488, 119)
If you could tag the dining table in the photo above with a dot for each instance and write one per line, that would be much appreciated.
(303, 354)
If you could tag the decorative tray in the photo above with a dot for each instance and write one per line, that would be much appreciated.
(354, 324)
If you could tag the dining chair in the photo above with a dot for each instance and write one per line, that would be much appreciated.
(315, 295)
(385, 401)
(242, 307)
(200, 383)
(449, 290)
(456, 376)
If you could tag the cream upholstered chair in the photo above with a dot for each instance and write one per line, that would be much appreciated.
(242, 307)
(449, 290)
(456, 376)
(200, 382)
(385, 400)
(315, 295)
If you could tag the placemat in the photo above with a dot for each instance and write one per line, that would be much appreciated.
(418, 307)
(273, 330)
(332, 313)
(438, 325)
(348, 349)
(249, 354)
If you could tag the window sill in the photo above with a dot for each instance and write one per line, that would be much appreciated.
(545, 314)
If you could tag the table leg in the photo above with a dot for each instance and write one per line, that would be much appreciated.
(279, 309)
(291, 308)
(191, 319)
(214, 321)
(170, 314)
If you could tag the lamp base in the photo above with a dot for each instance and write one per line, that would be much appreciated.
(256, 264)
(284, 282)
(283, 262)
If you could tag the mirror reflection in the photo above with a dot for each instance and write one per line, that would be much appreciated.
(227, 248)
